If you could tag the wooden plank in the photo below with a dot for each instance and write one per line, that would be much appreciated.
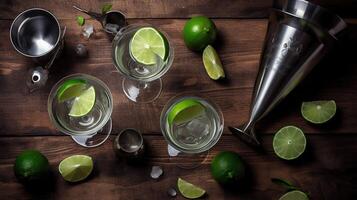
(239, 47)
(147, 8)
(167, 8)
(327, 170)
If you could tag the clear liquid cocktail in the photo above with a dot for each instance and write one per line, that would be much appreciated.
(191, 124)
(81, 105)
(143, 54)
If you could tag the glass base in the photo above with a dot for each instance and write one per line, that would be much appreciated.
(142, 92)
(97, 139)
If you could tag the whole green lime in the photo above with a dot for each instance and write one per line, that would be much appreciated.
(31, 166)
(227, 168)
(199, 32)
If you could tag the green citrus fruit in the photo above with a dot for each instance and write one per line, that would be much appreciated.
(31, 166)
(294, 195)
(199, 32)
(185, 111)
(289, 142)
(227, 167)
(84, 103)
(212, 63)
(146, 43)
(318, 112)
(189, 190)
(70, 89)
(76, 168)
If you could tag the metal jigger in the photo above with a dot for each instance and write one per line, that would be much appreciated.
(299, 35)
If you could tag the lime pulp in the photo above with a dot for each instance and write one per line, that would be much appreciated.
(294, 195)
(76, 168)
(212, 63)
(146, 44)
(289, 142)
(189, 190)
(83, 103)
(318, 112)
(185, 111)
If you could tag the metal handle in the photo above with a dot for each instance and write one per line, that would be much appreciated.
(94, 15)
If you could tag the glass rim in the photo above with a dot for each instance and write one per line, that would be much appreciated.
(52, 96)
(156, 76)
(177, 98)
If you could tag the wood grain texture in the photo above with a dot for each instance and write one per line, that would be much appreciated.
(322, 172)
(168, 8)
(239, 46)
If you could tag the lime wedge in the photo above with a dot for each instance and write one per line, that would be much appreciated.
(294, 195)
(212, 63)
(318, 112)
(76, 168)
(185, 111)
(83, 103)
(70, 89)
(189, 190)
(289, 143)
(146, 43)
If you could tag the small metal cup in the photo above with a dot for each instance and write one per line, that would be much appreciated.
(129, 144)
(35, 33)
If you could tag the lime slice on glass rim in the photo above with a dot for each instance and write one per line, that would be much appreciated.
(289, 142)
(318, 112)
(189, 190)
(294, 195)
(146, 44)
(185, 111)
(76, 168)
(83, 103)
(70, 89)
(212, 63)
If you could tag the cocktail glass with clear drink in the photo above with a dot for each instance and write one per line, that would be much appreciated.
(143, 54)
(191, 125)
(81, 105)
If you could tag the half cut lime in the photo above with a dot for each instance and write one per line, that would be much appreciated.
(76, 168)
(318, 112)
(83, 103)
(146, 44)
(289, 143)
(189, 190)
(185, 111)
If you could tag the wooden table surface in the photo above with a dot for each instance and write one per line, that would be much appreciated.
(326, 171)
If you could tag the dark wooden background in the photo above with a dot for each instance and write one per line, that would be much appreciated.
(326, 171)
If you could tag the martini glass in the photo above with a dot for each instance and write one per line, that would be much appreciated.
(91, 129)
(195, 136)
(142, 82)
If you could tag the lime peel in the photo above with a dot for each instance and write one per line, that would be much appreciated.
(185, 111)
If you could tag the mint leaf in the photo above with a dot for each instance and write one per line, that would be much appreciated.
(106, 8)
(80, 20)
(286, 184)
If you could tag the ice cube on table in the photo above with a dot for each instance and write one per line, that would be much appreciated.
(114, 28)
(156, 172)
(87, 30)
(172, 151)
(81, 50)
(171, 192)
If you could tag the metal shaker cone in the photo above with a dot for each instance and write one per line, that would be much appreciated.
(299, 35)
